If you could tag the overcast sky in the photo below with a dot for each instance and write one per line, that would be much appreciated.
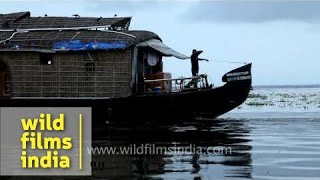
(280, 38)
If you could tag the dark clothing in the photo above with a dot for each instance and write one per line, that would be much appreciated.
(195, 72)
(195, 63)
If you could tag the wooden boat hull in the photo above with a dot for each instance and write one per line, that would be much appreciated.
(162, 107)
(211, 102)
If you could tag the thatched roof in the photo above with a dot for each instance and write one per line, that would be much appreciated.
(45, 33)
(23, 20)
(47, 39)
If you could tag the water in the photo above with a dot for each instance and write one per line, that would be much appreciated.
(273, 135)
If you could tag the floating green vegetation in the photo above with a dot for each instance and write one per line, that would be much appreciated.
(309, 102)
(282, 100)
(255, 103)
(283, 95)
(259, 96)
(270, 103)
(313, 95)
(304, 98)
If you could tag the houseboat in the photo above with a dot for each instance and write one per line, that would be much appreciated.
(98, 62)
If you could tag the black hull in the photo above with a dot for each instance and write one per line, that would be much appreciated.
(211, 102)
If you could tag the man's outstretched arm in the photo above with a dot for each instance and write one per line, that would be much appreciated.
(201, 59)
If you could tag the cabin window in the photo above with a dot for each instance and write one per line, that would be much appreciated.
(90, 66)
(152, 59)
(46, 59)
(153, 63)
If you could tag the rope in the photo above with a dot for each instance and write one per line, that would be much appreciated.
(12, 35)
(62, 29)
(55, 29)
(235, 62)
(74, 36)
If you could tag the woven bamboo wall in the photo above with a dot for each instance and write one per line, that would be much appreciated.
(68, 75)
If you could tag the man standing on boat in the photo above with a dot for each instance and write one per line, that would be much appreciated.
(195, 66)
(195, 61)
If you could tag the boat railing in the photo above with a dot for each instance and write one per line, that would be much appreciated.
(166, 85)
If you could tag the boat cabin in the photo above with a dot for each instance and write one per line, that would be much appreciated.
(83, 57)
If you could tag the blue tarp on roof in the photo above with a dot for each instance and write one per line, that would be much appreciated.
(77, 45)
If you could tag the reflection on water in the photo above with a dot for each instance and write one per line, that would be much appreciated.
(275, 141)
(218, 134)
(262, 147)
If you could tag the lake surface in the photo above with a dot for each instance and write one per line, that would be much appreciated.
(273, 135)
